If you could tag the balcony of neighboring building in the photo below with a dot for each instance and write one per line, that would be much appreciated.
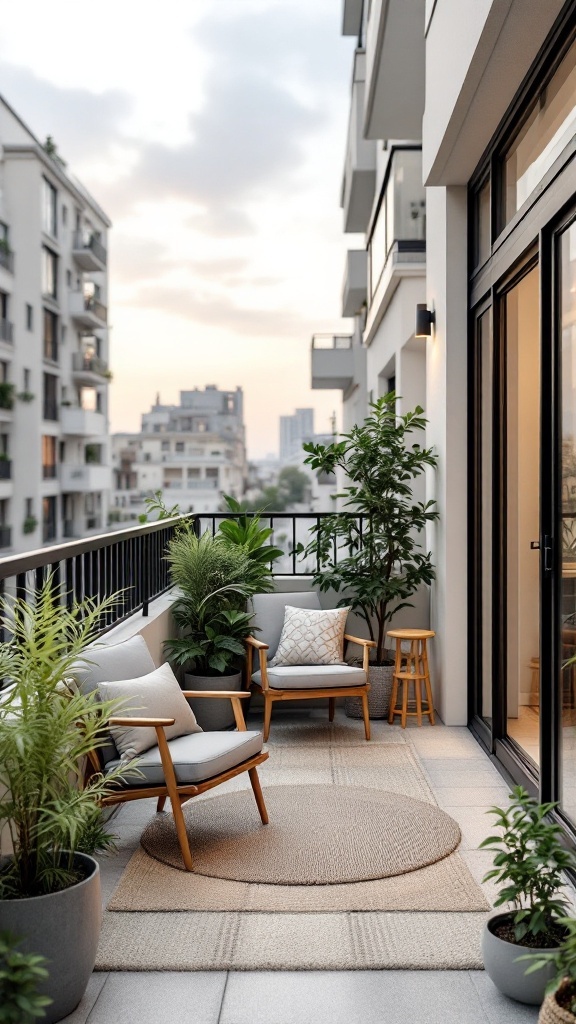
(6, 332)
(88, 368)
(397, 241)
(87, 310)
(332, 361)
(78, 422)
(88, 251)
(6, 256)
(84, 477)
(359, 180)
(352, 17)
(394, 100)
(355, 285)
(5, 536)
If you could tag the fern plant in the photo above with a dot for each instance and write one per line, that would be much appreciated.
(47, 728)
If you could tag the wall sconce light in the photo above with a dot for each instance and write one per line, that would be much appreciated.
(424, 319)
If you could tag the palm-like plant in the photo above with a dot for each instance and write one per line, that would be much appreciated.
(47, 729)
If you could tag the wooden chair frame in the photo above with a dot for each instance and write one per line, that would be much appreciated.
(272, 694)
(180, 794)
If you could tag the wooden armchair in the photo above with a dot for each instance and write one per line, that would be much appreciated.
(297, 682)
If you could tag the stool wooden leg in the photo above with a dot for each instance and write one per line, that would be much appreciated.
(404, 702)
(428, 686)
(418, 689)
(393, 699)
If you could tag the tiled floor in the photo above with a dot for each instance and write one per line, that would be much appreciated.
(465, 784)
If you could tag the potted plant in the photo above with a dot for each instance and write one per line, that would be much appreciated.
(49, 880)
(20, 975)
(559, 1006)
(380, 559)
(529, 858)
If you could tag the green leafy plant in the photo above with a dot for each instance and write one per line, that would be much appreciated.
(212, 577)
(29, 525)
(5, 246)
(247, 532)
(529, 858)
(20, 976)
(380, 563)
(6, 394)
(92, 454)
(156, 506)
(47, 728)
(25, 396)
(564, 961)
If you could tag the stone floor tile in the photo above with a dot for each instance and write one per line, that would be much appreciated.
(183, 997)
(351, 997)
(498, 1008)
(82, 1012)
(468, 778)
(472, 796)
(452, 743)
(475, 824)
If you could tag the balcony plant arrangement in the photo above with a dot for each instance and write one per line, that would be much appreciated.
(559, 1006)
(373, 556)
(529, 859)
(50, 824)
(215, 576)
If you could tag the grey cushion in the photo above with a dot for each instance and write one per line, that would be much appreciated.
(106, 663)
(269, 611)
(310, 677)
(197, 757)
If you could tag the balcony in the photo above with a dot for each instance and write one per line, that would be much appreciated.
(6, 258)
(5, 536)
(332, 362)
(359, 180)
(87, 311)
(352, 17)
(5, 469)
(76, 529)
(88, 369)
(78, 422)
(6, 332)
(89, 252)
(355, 286)
(84, 477)
(394, 100)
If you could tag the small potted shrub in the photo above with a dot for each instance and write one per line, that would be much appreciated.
(529, 859)
(381, 563)
(559, 1007)
(20, 975)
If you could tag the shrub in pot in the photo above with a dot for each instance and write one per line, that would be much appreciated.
(380, 564)
(20, 975)
(50, 884)
(559, 1007)
(215, 576)
(529, 859)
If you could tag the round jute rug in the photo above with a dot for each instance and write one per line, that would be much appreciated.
(317, 835)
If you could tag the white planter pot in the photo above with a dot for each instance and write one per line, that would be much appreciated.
(65, 928)
(213, 715)
(509, 975)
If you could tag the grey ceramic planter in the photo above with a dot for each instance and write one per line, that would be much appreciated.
(214, 715)
(509, 975)
(65, 928)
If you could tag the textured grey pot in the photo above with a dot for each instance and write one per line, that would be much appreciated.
(65, 928)
(214, 715)
(380, 677)
(509, 975)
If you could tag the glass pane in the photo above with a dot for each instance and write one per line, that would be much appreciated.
(522, 352)
(486, 349)
(568, 600)
(483, 243)
(547, 131)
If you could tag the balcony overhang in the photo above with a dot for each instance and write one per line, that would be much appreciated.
(82, 422)
(332, 362)
(355, 284)
(405, 260)
(394, 101)
(84, 477)
(359, 179)
(88, 369)
(352, 17)
(87, 312)
(89, 253)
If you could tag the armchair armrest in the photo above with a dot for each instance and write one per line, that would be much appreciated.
(258, 644)
(252, 644)
(359, 640)
(149, 723)
(234, 695)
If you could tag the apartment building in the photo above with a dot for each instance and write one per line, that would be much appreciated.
(483, 333)
(193, 452)
(55, 472)
(294, 430)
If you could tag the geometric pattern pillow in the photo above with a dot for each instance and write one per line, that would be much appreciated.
(155, 695)
(311, 637)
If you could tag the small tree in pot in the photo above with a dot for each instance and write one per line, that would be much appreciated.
(377, 562)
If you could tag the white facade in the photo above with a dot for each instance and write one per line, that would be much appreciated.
(193, 452)
(55, 475)
(294, 430)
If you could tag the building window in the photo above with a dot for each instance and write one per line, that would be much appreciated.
(3, 371)
(28, 508)
(212, 473)
(165, 445)
(26, 376)
(48, 457)
(193, 473)
(49, 205)
(68, 278)
(64, 215)
(29, 317)
(179, 446)
(50, 394)
(49, 273)
(48, 519)
(50, 336)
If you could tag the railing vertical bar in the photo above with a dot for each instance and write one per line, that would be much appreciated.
(294, 545)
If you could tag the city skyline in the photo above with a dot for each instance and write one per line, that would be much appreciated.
(226, 250)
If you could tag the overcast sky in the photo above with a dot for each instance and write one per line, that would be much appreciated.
(212, 132)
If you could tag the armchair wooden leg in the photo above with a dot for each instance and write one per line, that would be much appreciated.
(160, 804)
(331, 706)
(172, 787)
(257, 790)
(366, 715)
(267, 717)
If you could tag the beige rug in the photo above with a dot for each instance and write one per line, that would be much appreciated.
(317, 835)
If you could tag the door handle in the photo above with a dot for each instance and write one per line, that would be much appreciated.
(548, 555)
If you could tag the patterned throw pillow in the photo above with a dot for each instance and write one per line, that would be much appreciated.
(311, 637)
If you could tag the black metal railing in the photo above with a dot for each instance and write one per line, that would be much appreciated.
(5, 469)
(91, 243)
(7, 259)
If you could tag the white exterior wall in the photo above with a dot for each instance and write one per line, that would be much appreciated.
(23, 165)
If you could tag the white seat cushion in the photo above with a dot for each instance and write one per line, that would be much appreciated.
(196, 757)
(311, 677)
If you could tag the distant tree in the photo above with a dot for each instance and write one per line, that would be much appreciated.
(293, 484)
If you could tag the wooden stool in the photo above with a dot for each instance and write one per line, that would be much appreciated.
(411, 667)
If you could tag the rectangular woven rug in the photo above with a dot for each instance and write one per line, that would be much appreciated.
(163, 919)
